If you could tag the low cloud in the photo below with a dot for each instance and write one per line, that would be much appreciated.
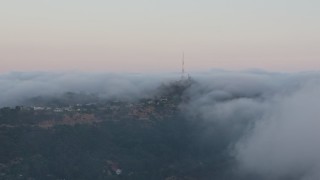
(267, 122)
(285, 142)
(18, 87)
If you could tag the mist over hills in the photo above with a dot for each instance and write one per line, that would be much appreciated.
(229, 125)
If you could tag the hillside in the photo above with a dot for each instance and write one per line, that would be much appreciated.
(146, 139)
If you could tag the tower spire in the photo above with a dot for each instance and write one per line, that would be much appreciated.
(183, 69)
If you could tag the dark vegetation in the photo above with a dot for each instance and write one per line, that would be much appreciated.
(169, 148)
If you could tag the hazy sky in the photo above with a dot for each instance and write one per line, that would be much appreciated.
(150, 35)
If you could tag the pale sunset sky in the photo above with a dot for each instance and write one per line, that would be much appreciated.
(150, 35)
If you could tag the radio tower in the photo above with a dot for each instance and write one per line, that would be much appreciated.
(182, 70)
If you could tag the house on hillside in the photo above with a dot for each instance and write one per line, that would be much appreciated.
(38, 108)
(58, 110)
